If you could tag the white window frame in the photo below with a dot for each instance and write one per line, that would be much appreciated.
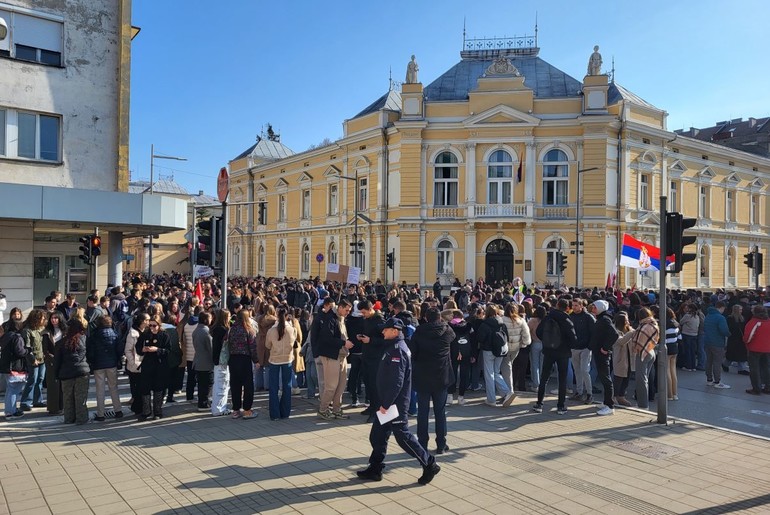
(730, 206)
(446, 190)
(361, 256)
(445, 258)
(261, 259)
(282, 207)
(307, 208)
(334, 199)
(281, 259)
(333, 255)
(704, 263)
(673, 196)
(237, 260)
(21, 32)
(12, 137)
(305, 258)
(704, 201)
(732, 266)
(644, 192)
(363, 193)
(560, 179)
(754, 209)
(498, 187)
(552, 248)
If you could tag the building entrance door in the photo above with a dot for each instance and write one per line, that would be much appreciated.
(499, 261)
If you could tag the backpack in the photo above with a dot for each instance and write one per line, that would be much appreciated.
(551, 334)
(500, 340)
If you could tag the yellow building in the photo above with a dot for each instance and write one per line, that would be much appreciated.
(476, 175)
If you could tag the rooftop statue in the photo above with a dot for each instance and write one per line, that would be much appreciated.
(411, 71)
(595, 62)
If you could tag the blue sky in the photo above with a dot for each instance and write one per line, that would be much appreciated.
(207, 77)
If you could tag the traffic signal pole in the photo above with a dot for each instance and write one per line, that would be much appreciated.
(663, 351)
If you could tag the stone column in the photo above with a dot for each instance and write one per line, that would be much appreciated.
(115, 258)
(423, 182)
(529, 254)
(530, 178)
(470, 252)
(470, 178)
(421, 276)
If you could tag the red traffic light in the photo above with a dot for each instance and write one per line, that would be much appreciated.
(96, 245)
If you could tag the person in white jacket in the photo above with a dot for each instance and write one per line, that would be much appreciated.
(134, 360)
(280, 342)
(518, 338)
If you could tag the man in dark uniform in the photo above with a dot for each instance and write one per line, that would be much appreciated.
(394, 384)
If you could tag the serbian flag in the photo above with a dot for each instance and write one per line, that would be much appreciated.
(199, 290)
(641, 255)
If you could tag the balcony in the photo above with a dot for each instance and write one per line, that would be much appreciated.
(555, 212)
(500, 210)
(447, 212)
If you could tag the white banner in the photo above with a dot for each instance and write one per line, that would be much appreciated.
(202, 271)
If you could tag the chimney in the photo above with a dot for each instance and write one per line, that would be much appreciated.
(200, 193)
(752, 122)
(694, 132)
(736, 120)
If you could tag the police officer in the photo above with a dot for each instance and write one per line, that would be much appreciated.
(394, 384)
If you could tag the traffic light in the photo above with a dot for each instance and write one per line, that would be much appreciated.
(85, 249)
(205, 242)
(96, 245)
(676, 224)
(561, 263)
(749, 261)
(758, 262)
(389, 259)
(219, 235)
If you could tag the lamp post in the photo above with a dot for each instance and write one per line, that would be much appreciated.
(153, 157)
(355, 215)
(577, 223)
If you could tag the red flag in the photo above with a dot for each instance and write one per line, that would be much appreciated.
(199, 290)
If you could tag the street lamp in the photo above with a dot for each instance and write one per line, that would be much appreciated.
(153, 157)
(577, 223)
(355, 215)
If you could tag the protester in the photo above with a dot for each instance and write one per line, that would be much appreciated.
(52, 337)
(621, 358)
(154, 347)
(757, 338)
(557, 333)
(280, 343)
(488, 332)
(13, 366)
(518, 339)
(203, 361)
(603, 338)
(134, 360)
(71, 368)
(104, 353)
(643, 344)
(715, 342)
(333, 347)
(242, 347)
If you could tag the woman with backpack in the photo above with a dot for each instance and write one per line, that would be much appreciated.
(493, 343)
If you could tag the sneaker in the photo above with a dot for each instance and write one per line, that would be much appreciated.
(561, 411)
(429, 472)
(249, 414)
(118, 414)
(492, 404)
(675, 398)
(236, 414)
(622, 401)
(203, 408)
(370, 474)
(24, 407)
(442, 450)
(97, 418)
(537, 407)
(709, 382)
(605, 410)
(339, 415)
(744, 372)
(722, 386)
(509, 399)
(170, 401)
(295, 391)
(326, 415)
(17, 414)
(461, 400)
(576, 397)
(450, 399)
(752, 391)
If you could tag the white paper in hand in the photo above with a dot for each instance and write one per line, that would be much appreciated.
(389, 415)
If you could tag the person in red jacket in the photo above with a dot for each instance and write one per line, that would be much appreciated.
(756, 335)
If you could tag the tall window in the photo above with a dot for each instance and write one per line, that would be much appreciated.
(261, 259)
(282, 208)
(333, 199)
(262, 212)
(445, 184)
(703, 202)
(305, 259)
(38, 136)
(731, 266)
(333, 253)
(705, 271)
(555, 178)
(306, 213)
(281, 259)
(754, 214)
(445, 264)
(550, 261)
(237, 260)
(500, 178)
(730, 206)
(673, 197)
(34, 39)
(360, 262)
(363, 194)
(644, 193)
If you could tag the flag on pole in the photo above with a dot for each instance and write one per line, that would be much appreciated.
(521, 161)
(199, 290)
(641, 255)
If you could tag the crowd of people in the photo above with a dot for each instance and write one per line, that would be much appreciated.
(175, 338)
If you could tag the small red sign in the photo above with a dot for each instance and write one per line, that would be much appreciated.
(223, 184)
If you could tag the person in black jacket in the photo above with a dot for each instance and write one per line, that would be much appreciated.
(13, 365)
(432, 350)
(333, 348)
(556, 352)
(603, 337)
(154, 347)
(461, 357)
(104, 352)
(394, 383)
(71, 368)
(581, 352)
(355, 325)
(373, 348)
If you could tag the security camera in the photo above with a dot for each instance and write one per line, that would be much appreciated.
(3, 29)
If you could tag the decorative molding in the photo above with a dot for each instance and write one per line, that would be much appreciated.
(502, 67)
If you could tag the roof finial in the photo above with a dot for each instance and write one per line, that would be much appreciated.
(535, 29)
(463, 32)
(390, 78)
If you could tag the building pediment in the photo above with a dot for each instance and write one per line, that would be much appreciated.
(306, 177)
(501, 115)
(332, 171)
(650, 217)
(261, 187)
(281, 183)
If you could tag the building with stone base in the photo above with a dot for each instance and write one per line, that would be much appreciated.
(490, 170)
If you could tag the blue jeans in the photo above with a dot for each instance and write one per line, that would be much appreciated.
(689, 349)
(439, 413)
(642, 378)
(311, 378)
(280, 374)
(701, 352)
(261, 377)
(492, 376)
(536, 362)
(34, 386)
(12, 395)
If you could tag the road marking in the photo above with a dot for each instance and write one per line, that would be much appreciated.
(755, 425)
(760, 412)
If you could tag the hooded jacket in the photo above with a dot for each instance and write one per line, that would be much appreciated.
(432, 356)
(462, 343)
(604, 334)
(103, 349)
(715, 330)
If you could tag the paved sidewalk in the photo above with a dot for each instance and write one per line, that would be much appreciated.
(501, 461)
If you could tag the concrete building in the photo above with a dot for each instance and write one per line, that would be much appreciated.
(64, 123)
(752, 135)
(490, 170)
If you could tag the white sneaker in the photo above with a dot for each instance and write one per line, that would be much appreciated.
(605, 410)
(450, 399)
(722, 386)
(461, 400)
(295, 391)
(709, 383)
(492, 404)
(509, 399)
(675, 398)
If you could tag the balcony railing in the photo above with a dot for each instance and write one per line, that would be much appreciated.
(500, 210)
(447, 212)
(555, 212)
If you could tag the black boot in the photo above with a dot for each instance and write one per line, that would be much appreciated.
(157, 405)
(371, 473)
(429, 471)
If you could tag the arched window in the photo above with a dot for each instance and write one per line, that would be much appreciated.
(305, 259)
(550, 260)
(731, 265)
(445, 261)
(261, 259)
(555, 178)
(704, 265)
(281, 259)
(333, 253)
(360, 262)
(445, 184)
(500, 178)
(237, 260)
